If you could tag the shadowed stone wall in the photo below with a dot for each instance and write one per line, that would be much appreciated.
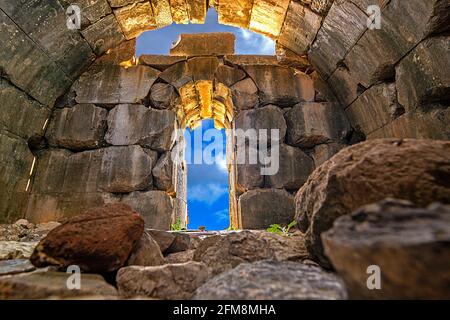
(111, 137)
(391, 82)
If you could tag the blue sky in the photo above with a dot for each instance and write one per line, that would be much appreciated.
(208, 202)
(160, 41)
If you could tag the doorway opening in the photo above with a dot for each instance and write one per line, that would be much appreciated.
(207, 177)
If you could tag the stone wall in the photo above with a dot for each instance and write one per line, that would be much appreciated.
(111, 137)
(391, 82)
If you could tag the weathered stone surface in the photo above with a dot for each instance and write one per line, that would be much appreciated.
(203, 68)
(404, 26)
(375, 108)
(104, 34)
(245, 95)
(114, 84)
(225, 251)
(294, 169)
(345, 85)
(182, 242)
(136, 124)
(9, 267)
(262, 207)
(45, 285)
(162, 13)
(180, 257)
(310, 124)
(16, 161)
(269, 117)
(280, 86)
(429, 125)
(160, 62)
(268, 16)
(289, 58)
(28, 66)
(324, 152)
(235, 13)
(146, 253)
(204, 44)
(341, 29)
(93, 10)
(319, 6)
(66, 48)
(368, 172)
(163, 238)
(16, 250)
(121, 53)
(162, 95)
(177, 75)
(229, 75)
(392, 234)
(179, 10)
(77, 128)
(19, 114)
(250, 60)
(197, 11)
(168, 282)
(90, 240)
(135, 19)
(421, 77)
(24, 231)
(155, 207)
(300, 28)
(249, 175)
(271, 280)
(163, 173)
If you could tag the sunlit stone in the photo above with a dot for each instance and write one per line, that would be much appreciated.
(300, 28)
(268, 16)
(135, 19)
(197, 11)
(161, 11)
(235, 12)
(180, 12)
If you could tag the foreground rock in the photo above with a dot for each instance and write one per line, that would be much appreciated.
(410, 245)
(100, 240)
(224, 252)
(168, 282)
(16, 250)
(8, 267)
(44, 285)
(368, 172)
(273, 281)
(146, 253)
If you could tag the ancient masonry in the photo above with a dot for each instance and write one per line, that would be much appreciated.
(77, 108)
(87, 133)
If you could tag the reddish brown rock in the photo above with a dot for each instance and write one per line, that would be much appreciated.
(99, 240)
(415, 170)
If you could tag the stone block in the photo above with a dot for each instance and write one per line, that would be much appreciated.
(136, 124)
(209, 44)
(260, 208)
(104, 34)
(312, 123)
(281, 86)
(78, 128)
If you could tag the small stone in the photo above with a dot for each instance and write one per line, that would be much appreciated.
(162, 95)
(167, 282)
(146, 253)
(8, 267)
(180, 257)
(45, 285)
(163, 238)
(16, 250)
(267, 280)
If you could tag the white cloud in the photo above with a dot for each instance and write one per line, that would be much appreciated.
(253, 43)
(208, 193)
(222, 215)
(221, 163)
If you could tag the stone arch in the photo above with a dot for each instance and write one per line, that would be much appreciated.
(390, 82)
